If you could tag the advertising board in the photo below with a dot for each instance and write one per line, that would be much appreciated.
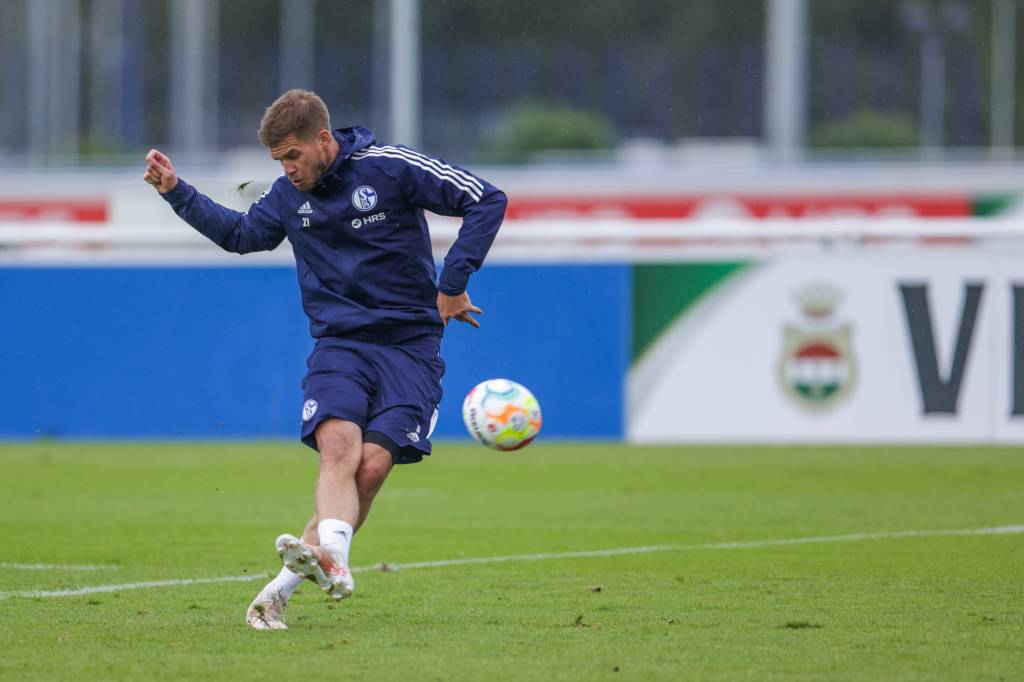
(915, 347)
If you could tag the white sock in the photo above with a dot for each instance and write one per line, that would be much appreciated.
(285, 583)
(337, 533)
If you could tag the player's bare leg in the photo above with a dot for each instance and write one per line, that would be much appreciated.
(309, 534)
(330, 570)
(340, 444)
(373, 470)
(266, 611)
(337, 511)
(341, 450)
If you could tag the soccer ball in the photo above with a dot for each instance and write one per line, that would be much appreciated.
(501, 414)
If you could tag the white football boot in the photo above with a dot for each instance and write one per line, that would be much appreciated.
(342, 584)
(266, 612)
(319, 564)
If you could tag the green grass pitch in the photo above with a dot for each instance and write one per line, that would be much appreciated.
(929, 607)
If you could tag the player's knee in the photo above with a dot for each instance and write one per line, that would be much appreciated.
(338, 452)
(373, 470)
(339, 442)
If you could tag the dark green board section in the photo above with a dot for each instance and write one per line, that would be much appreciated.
(987, 205)
(662, 292)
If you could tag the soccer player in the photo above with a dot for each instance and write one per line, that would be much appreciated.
(353, 212)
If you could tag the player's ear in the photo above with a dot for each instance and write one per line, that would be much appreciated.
(324, 137)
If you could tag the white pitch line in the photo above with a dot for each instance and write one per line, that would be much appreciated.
(97, 589)
(999, 530)
(752, 544)
(56, 567)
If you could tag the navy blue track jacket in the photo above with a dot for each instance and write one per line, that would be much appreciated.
(360, 239)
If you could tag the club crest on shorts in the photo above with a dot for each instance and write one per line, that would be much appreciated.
(364, 197)
(308, 410)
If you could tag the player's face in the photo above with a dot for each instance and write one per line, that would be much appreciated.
(303, 161)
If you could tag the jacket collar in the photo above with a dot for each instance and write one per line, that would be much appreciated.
(350, 140)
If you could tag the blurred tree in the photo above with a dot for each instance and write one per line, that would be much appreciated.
(866, 128)
(532, 127)
(867, 54)
(658, 69)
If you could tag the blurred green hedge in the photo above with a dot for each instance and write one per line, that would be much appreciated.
(867, 128)
(532, 127)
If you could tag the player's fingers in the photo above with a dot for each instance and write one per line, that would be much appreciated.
(473, 308)
(466, 317)
(158, 160)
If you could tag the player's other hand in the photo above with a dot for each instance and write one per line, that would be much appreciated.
(160, 172)
(457, 308)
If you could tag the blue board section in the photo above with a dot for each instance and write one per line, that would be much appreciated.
(562, 331)
(150, 352)
(196, 352)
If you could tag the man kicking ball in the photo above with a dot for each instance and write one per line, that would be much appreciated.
(353, 212)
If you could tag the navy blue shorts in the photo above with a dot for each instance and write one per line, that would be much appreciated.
(391, 391)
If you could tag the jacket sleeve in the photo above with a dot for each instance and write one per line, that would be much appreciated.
(258, 229)
(452, 191)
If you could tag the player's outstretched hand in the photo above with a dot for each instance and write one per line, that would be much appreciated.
(457, 308)
(160, 172)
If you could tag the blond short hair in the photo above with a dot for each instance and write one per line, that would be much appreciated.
(297, 112)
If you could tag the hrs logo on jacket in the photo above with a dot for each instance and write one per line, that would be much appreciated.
(364, 197)
(368, 220)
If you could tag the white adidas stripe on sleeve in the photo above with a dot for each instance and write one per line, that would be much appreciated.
(432, 166)
(438, 170)
(436, 163)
